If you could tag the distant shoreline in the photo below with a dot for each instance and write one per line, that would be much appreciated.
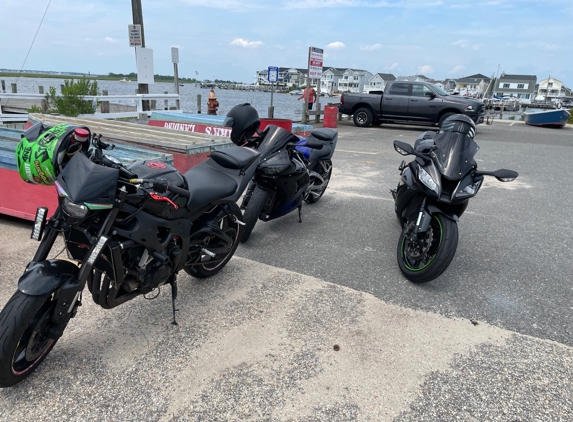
(91, 77)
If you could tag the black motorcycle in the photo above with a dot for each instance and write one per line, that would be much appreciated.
(291, 169)
(433, 192)
(127, 232)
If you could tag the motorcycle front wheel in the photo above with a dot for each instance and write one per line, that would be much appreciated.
(314, 195)
(26, 336)
(253, 211)
(426, 256)
(211, 265)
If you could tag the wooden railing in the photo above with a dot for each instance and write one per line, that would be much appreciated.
(138, 98)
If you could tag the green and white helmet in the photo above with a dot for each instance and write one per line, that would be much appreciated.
(44, 150)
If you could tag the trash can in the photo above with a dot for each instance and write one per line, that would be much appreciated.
(330, 116)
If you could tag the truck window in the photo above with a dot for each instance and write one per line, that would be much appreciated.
(399, 89)
(419, 90)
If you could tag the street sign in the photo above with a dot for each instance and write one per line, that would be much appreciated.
(273, 74)
(174, 55)
(315, 63)
(134, 35)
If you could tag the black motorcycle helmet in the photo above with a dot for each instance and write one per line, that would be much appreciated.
(459, 123)
(244, 121)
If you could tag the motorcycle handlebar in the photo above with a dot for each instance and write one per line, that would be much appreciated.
(162, 185)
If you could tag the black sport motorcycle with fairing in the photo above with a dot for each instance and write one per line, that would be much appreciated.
(433, 193)
(127, 232)
(291, 169)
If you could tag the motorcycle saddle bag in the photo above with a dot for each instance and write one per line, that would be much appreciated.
(234, 157)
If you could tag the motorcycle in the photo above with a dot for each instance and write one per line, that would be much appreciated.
(433, 193)
(291, 169)
(127, 230)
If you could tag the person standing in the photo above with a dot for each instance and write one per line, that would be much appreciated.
(311, 96)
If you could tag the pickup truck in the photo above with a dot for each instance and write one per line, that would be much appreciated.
(410, 103)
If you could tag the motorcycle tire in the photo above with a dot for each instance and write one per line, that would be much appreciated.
(25, 336)
(209, 266)
(314, 196)
(253, 211)
(430, 265)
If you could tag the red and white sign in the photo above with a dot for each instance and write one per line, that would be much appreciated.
(315, 62)
(135, 39)
(193, 127)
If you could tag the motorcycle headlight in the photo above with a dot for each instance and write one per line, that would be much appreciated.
(426, 179)
(74, 210)
(469, 190)
(277, 163)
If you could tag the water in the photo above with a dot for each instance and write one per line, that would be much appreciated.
(286, 106)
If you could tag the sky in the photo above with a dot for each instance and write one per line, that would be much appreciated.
(232, 39)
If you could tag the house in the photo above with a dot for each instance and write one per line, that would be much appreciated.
(378, 82)
(330, 79)
(353, 80)
(473, 85)
(288, 77)
(518, 86)
(551, 88)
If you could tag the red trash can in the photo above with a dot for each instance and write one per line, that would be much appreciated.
(330, 116)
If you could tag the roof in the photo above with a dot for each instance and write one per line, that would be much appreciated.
(386, 76)
(518, 77)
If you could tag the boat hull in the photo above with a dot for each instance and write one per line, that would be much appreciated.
(547, 117)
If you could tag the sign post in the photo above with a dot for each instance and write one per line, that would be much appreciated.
(272, 77)
(315, 56)
(175, 61)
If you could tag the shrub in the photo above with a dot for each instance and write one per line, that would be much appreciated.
(570, 120)
(71, 102)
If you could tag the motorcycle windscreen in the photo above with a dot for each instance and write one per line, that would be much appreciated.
(275, 138)
(455, 152)
(85, 181)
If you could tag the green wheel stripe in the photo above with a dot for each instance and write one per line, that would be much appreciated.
(430, 261)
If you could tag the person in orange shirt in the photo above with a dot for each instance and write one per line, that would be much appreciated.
(311, 98)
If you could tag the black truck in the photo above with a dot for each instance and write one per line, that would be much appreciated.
(410, 103)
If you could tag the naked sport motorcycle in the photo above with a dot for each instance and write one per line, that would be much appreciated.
(433, 193)
(127, 232)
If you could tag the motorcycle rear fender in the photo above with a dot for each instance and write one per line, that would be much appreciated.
(46, 276)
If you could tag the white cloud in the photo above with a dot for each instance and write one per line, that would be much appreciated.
(320, 4)
(372, 47)
(426, 70)
(461, 43)
(477, 46)
(394, 66)
(245, 43)
(110, 39)
(457, 69)
(336, 44)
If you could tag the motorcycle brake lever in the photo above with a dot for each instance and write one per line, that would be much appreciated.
(157, 197)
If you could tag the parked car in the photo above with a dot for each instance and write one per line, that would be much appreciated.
(409, 103)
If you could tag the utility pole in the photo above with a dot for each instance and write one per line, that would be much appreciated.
(137, 13)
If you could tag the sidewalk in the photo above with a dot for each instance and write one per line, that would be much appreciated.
(261, 343)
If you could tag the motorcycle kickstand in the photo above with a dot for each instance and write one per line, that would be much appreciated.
(173, 298)
(300, 213)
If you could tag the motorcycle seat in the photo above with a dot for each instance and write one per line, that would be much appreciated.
(324, 134)
(234, 157)
(321, 154)
(214, 185)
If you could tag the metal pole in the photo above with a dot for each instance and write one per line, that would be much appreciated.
(271, 108)
(176, 74)
(137, 13)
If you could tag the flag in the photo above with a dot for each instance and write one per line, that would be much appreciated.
(196, 73)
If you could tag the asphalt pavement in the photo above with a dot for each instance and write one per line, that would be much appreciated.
(313, 321)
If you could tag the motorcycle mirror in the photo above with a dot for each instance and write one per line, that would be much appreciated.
(403, 148)
(504, 175)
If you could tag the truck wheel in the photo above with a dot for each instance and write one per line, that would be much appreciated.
(443, 118)
(363, 117)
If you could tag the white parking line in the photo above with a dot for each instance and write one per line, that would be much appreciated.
(358, 152)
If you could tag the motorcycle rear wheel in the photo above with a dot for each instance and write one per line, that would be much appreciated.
(25, 336)
(253, 211)
(210, 266)
(442, 237)
(314, 196)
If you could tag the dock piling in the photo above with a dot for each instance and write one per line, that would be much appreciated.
(104, 104)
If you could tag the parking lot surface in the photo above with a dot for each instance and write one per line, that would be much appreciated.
(313, 321)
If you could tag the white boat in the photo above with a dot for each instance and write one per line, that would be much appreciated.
(125, 81)
(296, 92)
